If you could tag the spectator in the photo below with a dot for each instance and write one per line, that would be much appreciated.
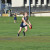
(15, 18)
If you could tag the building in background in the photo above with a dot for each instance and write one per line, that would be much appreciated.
(23, 5)
(37, 3)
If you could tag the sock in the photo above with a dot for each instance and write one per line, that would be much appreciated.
(23, 33)
(18, 34)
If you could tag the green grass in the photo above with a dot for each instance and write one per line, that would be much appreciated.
(37, 38)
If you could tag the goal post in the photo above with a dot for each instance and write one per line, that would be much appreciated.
(29, 9)
(0, 5)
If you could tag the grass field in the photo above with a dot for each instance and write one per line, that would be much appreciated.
(37, 38)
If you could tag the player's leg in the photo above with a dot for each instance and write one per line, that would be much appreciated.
(19, 30)
(25, 30)
(14, 21)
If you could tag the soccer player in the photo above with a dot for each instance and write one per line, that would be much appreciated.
(15, 18)
(24, 23)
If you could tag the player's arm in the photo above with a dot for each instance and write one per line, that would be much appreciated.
(25, 22)
(29, 22)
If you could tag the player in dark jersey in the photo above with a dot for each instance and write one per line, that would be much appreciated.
(24, 24)
(15, 18)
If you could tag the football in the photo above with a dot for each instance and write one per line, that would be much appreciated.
(30, 27)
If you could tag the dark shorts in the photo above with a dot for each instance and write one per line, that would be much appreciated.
(21, 25)
(15, 18)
